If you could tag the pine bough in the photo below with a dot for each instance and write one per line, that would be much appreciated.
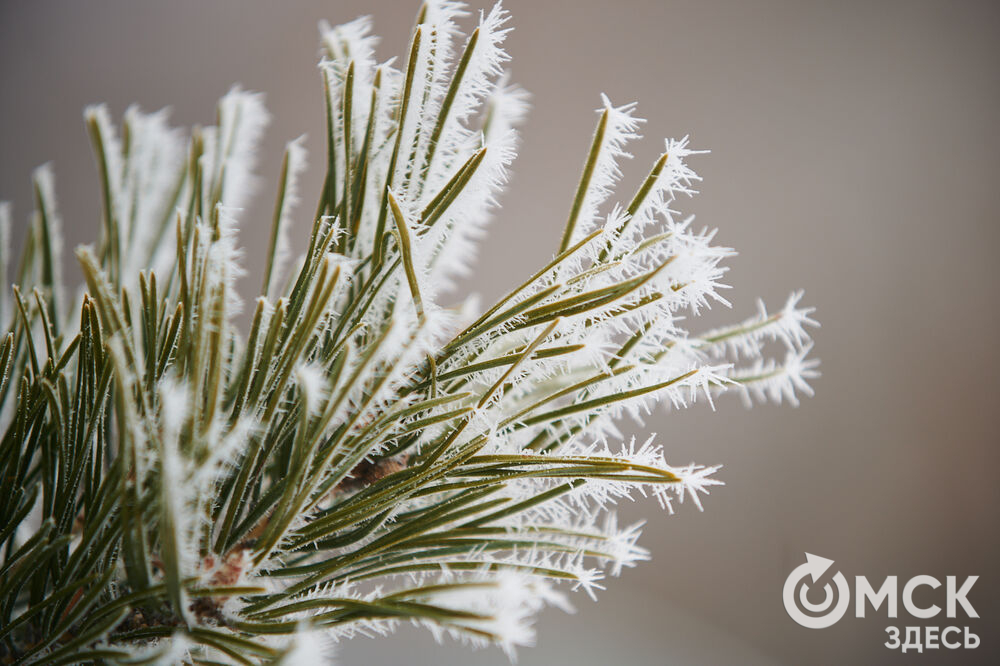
(176, 490)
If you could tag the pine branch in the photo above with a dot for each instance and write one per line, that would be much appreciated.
(181, 490)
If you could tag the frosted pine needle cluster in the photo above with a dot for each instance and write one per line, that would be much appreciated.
(364, 453)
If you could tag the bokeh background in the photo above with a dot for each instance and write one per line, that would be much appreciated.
(855, 154)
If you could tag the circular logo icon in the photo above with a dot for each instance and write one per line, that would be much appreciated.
(799, 608)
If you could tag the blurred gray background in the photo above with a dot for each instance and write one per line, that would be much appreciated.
(855, 153)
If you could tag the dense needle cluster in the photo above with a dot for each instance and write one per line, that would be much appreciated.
(175, 488)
